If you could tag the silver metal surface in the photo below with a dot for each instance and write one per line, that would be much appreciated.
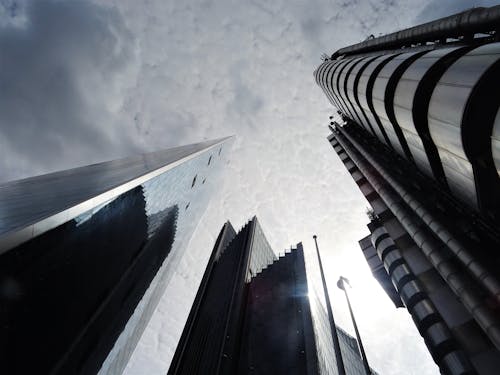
(365, 95)
(334, 86)
(352, 93)
(404, 99)
(495, 142)
(380, 100)
(342, 88)
(430, 246)
(423, 309)
(471, 21)
(446, 111)
(32, 206)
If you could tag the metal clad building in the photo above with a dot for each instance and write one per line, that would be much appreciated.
(420, 136)
(436, 105)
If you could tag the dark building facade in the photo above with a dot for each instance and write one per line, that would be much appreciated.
(420, 135)
(85, 255)
(253, 315)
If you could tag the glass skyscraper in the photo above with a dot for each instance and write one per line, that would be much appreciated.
(86, 254)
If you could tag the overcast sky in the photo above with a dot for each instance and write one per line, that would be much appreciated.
(83, 82)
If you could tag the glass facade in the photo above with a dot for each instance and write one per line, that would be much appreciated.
(261, 253)
(70, 292)
(326, 355)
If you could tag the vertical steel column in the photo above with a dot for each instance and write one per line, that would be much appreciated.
(333, 327)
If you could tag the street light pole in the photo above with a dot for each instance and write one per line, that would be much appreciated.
(341, 284)
(333, 327)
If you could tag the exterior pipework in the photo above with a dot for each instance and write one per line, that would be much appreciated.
(470, 22)
(411, 103)
(461, 114)
(437, 336)
(383, 99)
(462, 254)
(453, 276)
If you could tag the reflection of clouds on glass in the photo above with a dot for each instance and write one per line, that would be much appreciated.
(80, 219)
(324, 343)
(171, 190)
(262, 254)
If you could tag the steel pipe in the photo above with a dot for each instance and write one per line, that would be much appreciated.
(472, 21)
(481, 313)
(463, 254)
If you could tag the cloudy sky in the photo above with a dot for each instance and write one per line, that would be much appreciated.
(83, 82)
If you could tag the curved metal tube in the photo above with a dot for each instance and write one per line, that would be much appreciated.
(481, 313)
(464, 255)
(476, 20)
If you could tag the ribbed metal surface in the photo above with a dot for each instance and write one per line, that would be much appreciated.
(411, 101)
(458, 282)
(427, 105)
(436, 334)
(447, 107)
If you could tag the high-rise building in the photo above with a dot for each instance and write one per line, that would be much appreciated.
(86, 254)
(252, 315)
(420, 135)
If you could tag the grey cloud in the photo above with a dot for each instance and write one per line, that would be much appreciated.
(205, 69)
(443, 8)
(59, 75)
(245, 101)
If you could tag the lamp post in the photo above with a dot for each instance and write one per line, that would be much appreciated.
(333, 327)
(341, 284)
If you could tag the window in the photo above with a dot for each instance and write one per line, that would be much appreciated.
(209, 160)
(194, 181)
(187, 206)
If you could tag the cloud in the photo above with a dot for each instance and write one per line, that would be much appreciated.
(81, 82)
(444, 8)
(63, 69)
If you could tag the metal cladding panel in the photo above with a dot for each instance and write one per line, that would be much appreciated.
(319, 75)
(495, 142)
(404, 98)
(446, 111)
(365, 97)
(379, 99)
(324, 78)
(352, 92)
(340, 66)
(346, 72)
